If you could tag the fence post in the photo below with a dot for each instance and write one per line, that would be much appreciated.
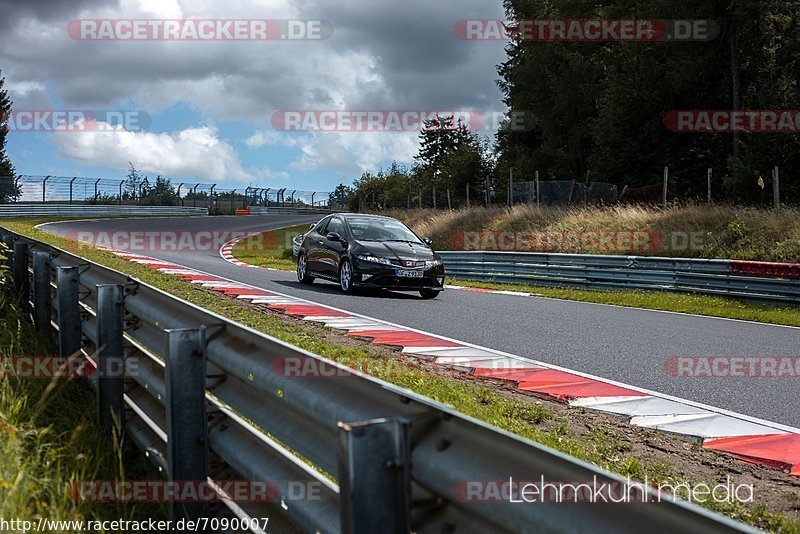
(776, 187)
(419, 196)
(709, 184)
(536, 179)
(44, 189)
(121, 183)
(511, 188)
(69, 317)
(434, 196)
(111, 356)
(41, 291)
(374, 476)
(187, 426)
(70, 188)
(468, 194)
(664, 190)
(449, 205)
(22, 283)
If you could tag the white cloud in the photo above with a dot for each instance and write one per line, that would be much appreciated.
(354, 152)
(268, 138)
(23, 88)
(192, 153)
(395, 55)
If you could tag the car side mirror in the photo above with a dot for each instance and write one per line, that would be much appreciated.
(333, 236)
(427, 241)
(311, 227)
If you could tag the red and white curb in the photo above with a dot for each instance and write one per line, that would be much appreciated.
(747, 438)
(226, 251)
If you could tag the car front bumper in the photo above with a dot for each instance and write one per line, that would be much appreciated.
(376, 276)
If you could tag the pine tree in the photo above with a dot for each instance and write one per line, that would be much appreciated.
(9, 190)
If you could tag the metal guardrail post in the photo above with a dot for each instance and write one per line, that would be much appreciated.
(22, 282)
(8, 241)
(41, 291)
(69, 318)
(187, 426)
(111, 356)
(375, 476)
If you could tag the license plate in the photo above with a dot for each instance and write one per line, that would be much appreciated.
(409, 274)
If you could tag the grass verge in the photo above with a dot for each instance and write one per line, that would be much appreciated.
(657, 300)
(271, 249)
(49, 439)
(595, 438)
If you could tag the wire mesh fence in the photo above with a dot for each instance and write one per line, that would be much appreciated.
(562, 192)
(159, 192)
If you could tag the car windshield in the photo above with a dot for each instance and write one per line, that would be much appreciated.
(381, 230)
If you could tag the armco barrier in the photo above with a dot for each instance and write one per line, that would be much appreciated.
(288, 210)
(776, 282)
(204, 402)
(78, 210)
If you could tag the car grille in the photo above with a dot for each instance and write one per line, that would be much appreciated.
(408, 264)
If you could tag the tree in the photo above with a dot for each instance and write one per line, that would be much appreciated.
(340, 196)
(388, 188)
(9, 189)
(161, 194)
(134, 184)
(450, 157)
(600, 107)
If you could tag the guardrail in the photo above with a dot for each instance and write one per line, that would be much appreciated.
(201, 395)
(278, 210)
(77, 210)
(776, 282)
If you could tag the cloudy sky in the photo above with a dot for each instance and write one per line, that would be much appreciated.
(210, 105)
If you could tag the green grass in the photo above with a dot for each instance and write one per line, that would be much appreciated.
(659, 300)
(270, 249)
(515, 415)
(49, 438)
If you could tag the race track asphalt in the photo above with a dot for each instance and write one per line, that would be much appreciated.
(624, 344)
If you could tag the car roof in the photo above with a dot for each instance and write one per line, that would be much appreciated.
(364, 216)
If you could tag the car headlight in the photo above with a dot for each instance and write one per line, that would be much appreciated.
(374, 259)
(433, 263)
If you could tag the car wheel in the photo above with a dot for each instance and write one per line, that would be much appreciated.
(429, 293)
(346, 276)
(302, 270)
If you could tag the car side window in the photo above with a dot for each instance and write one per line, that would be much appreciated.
(335, 225)
(320, 228)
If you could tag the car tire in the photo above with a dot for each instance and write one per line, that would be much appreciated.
(346, 276)
(302, 269)
(429, 293)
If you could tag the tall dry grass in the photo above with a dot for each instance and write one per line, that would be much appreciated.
(717, 230)
(48, 435)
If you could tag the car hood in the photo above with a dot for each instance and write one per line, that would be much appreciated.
(395, 250)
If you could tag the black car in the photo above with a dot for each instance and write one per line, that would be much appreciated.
(368, 251)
